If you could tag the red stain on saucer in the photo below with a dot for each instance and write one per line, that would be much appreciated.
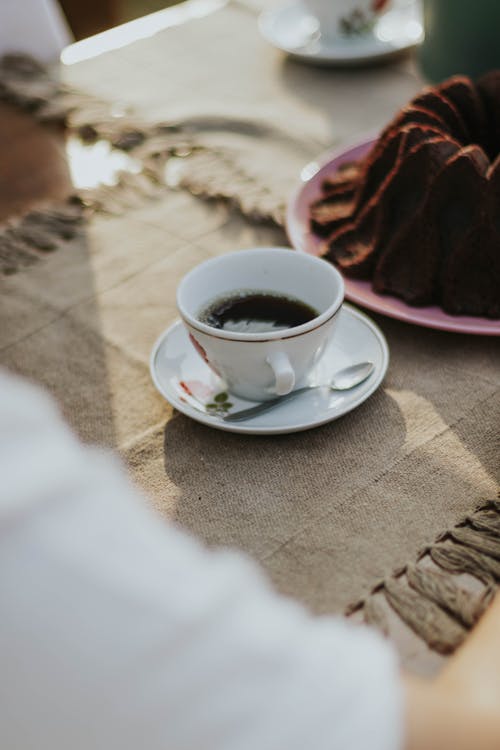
(201, 351)
(196, 388)
(379, 5)
(185, 387)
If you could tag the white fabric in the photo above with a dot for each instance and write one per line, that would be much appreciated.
(36, 27)
(120, 632)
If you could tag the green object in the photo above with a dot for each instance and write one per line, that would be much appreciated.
(461, 36)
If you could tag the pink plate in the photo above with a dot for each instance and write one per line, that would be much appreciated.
(361, 292)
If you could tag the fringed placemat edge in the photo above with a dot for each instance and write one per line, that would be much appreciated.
(208, 172)
(429, 599)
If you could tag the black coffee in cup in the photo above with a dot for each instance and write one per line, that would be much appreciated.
(247, 311)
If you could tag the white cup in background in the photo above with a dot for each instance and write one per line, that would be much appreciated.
(259, 366)
(344, 17)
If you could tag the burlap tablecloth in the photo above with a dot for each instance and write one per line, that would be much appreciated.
(330, 512)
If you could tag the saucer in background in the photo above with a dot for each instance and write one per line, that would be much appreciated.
(291, 28)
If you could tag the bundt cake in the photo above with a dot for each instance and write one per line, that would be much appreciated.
(420, 214)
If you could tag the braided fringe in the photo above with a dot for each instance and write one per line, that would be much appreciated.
(204, 171)
(427, 595)
(25, 241)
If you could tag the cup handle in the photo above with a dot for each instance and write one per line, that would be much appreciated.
(283, 372)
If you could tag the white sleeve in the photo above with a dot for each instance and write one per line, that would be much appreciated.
(119, 632)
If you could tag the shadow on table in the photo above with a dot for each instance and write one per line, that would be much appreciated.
(257, 493)
(331, 510)
(458, 376)
(41, 337)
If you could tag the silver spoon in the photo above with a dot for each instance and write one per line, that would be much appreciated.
(342, 380)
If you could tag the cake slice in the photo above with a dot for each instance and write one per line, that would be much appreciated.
(466, 284)
(461, 91)
(416, 115)
(388, 157)
(341, 200)
(431, 99)
(410, 265)
(345, 174)
(488, 87)
(470, 274)
(355, 248)
(330, 212)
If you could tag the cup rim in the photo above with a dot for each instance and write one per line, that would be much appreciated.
(288, 333)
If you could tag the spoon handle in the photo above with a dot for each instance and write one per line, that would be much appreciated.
(253, 411)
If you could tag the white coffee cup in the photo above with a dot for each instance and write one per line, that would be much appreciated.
(345, 17)
(259, 366)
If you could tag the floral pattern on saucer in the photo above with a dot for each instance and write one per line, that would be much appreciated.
(291, 28)
(213, 402)
(190, 385)
(359, 20)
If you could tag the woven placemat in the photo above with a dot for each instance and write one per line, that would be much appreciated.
(442, 592)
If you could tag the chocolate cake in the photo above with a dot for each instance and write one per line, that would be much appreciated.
(420, 214)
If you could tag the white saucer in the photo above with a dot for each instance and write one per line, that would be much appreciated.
(291, 28)
(183, 378)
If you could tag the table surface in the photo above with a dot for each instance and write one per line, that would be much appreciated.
(327, 513)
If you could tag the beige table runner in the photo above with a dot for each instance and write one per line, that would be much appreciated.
(328, 513)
